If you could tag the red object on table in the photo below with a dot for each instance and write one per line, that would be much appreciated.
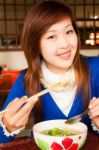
(14, 74)
(5, 84)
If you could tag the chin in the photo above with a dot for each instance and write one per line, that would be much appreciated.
(67, 65)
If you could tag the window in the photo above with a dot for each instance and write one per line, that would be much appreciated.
(12, 15)
(87, 19)
(13, 12)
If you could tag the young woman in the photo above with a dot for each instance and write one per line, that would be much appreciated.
(52, 48)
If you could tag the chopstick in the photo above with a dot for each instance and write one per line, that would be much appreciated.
(51, 88)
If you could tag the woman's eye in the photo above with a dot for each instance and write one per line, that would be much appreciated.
(69, 32)
(51, 37)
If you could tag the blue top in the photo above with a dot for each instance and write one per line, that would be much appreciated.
(50, 109)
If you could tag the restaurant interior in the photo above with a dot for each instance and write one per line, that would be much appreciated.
(12, 59)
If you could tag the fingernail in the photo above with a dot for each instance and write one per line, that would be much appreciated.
(16, 98)
(93, 98)
(90, 117)
(25, 96)
(89, 106)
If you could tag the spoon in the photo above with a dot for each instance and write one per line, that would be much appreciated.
(77, 118)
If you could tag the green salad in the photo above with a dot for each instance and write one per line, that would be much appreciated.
(60, 132)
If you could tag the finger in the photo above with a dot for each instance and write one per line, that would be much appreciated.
(22, 122)
(9, 111)
(16, 121)
(9, 126)
(93, 102)
(25, 110)
(96, 121)
(12, 103)
(16, 105)
(94, 112)
(33, 101)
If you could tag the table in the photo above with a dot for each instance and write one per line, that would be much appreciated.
(92, 142)
(26, 143)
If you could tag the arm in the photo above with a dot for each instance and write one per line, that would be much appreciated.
(94, 113)
(18, 90)
(94, 103)
(18, 109)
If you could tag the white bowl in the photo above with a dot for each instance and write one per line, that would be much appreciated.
(48, 142)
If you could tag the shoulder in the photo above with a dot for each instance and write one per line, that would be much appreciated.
(17, 90)
(93, 65)
(93, 62)
(21, 75)
(19, 83)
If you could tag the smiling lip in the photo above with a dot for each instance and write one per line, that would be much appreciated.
(65, 55)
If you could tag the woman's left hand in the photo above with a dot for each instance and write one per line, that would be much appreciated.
(94, 111)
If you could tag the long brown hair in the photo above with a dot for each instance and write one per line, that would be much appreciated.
(37, 21)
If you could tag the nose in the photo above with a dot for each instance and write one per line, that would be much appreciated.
(63, 42)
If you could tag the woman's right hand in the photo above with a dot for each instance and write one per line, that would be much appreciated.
(17, 113)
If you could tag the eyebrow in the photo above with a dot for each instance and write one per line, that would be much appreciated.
(56, 30)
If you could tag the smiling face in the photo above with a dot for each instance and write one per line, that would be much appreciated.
(59, 45)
